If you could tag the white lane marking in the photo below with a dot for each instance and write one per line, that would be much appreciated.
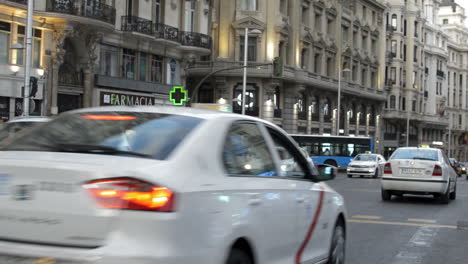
(417, 247)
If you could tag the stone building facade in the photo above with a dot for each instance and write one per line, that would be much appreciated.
(316, 40)
(93, 53)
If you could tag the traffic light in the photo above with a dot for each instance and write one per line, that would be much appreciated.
(277, 66)
(33, 86)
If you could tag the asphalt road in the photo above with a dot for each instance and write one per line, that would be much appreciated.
(407, 230)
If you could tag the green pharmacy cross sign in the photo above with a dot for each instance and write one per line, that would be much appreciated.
(178, 95)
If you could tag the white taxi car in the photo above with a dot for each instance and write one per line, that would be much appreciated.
(425, 171)
(366, 165)
(170, 185)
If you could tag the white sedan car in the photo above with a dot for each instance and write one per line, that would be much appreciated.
(425, 171)
(146, 185)
(366, 165)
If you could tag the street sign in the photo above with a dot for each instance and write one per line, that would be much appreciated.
(178, 95)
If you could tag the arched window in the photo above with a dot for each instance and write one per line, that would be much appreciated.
(372, 116)
(327, 113)
(352, 114)
(342, 118)
(315, 109)
(362, 119)
(394, 21)
(251, 100)
(302, 107)
(249, 5)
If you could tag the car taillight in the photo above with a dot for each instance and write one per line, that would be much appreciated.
(131, 194)
(388, 168)
(437, 171)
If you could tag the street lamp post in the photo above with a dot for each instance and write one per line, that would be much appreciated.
(244, 82)
(27, 69)
(339, 99)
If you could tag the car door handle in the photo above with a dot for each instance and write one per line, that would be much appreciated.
(300, 199)
(255, 201)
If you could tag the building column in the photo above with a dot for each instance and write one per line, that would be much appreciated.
(368, 112)
(290, 107)
(268, 104)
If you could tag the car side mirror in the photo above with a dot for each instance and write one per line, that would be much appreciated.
(326, 172)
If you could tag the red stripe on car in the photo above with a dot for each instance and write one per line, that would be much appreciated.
(311, 228)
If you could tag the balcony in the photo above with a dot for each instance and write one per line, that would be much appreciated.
(195, 39)
(163, 31)
(24, 2)
(137, 24)
(440, 74)
(93, 9)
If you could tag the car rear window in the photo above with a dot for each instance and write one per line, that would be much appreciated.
(152, 134)
(417, 154)
(365, 157)
(9, 130)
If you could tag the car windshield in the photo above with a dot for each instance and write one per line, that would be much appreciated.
(366, 157)
(9, 130)
(150, 134)
(417, 154)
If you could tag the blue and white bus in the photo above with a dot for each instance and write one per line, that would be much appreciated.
(334, 150)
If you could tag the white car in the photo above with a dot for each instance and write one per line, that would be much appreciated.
(166, 185)
(366, 165)
(425, 171)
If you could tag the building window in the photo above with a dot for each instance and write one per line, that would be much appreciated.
(4, 42)
(156, 69)
(284, 7)
(403, 104)
(158, 11)
(109, 61)
(392, 102)
(330, 67)
(413, 106)
(301, 107)
(327, 110)
(129, 57)
(249, 5)
(373, 80)
(304, 58)
(445, 21)
(318, 22)
(172, 72)
(355, 39)
(251, 50)
(315, 109)
(143, 69)
(317, 63)
(364, 13)
(36, 47)
(330, 27)
(394, 48)
(364, 42)
(394, 21)
(305, 15)
(189, 15)
(364, 77)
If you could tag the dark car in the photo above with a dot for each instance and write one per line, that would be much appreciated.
(456, 166)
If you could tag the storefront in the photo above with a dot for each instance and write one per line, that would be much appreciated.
(105, 97)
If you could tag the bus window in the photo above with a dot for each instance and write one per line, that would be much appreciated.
(326, 149)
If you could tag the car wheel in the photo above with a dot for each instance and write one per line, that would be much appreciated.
(350, 176)
(386, 195)
(376, 175)
(238, 256)
(444, 197)
(453, 195)
(338, 246)
(362, 176)
(331, 162)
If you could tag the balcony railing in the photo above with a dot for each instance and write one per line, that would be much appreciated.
(440, 73)
(162, 31)
(24, 2)
(87, 8)
(195, 39)
(166, 32)
(137, 24)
